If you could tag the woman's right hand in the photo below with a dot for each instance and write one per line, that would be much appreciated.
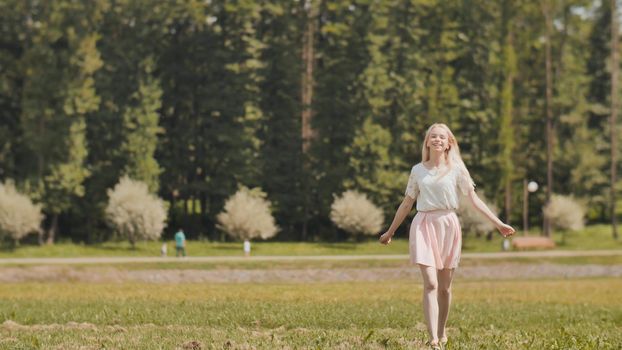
(386, 238)
(506, 230)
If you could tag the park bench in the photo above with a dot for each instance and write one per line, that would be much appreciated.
(532, 242)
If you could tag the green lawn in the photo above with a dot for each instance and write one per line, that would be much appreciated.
(202, 248)
(590, 238)
(551, 314)
(593, 237)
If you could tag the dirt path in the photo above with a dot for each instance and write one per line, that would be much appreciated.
(94, 269)
(91, 274)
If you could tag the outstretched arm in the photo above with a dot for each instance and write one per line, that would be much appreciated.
(506, 230)
(400, 215)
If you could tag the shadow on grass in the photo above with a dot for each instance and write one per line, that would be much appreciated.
(8, 245)
(229, 248)
(121, 249)
(8, 248)
(127, 249)
(339, 246)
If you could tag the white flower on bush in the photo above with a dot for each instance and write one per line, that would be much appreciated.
(355, 214)
(471, 220)
(135, 213)
(247, 215)
(565, 212)
(18, 215)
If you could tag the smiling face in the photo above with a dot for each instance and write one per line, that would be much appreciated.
(438, 140)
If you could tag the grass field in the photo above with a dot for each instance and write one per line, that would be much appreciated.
(581, 313)
(552, 314)
(593, 237)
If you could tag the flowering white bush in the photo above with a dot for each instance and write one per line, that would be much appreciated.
(355, 214)
(565, 212)
(135, 213)
(471, 220)
(247, 215)
(18, 215)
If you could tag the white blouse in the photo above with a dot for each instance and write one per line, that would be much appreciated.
(437, 189)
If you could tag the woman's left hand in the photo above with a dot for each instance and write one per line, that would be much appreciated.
(506, 230)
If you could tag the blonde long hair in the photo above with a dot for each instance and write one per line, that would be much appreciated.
(452, 153)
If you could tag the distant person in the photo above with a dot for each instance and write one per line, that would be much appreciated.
(180, 243)
(435, 234)
(164, 250)
(247, 248)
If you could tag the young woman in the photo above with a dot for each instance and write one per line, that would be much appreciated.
(435, 233)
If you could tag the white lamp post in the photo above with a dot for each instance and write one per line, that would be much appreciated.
(532, 186)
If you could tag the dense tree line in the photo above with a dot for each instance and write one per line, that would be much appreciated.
(197, 98)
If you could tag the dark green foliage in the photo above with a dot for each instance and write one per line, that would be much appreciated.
(197, 98)
(281, 158)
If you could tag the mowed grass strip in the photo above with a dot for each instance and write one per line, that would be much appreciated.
(554, 314)
(595, 237)
(203, 248)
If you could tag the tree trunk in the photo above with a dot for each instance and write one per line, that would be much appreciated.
(308, 56)
(508, 201)
(307, 75)
(52, 230)
(203, 219)
(549, 112)
(186, 211)
(507, 108)
(171, 213)
(525, 207)
(615, 61)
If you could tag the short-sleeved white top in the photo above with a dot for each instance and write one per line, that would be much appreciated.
(437, 188)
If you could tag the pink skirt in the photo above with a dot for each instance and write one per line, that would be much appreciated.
(436, 239)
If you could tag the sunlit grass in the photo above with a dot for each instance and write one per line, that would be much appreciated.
(559, 314)
(592, 237)
(202, 248)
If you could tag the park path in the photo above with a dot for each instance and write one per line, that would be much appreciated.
(102, 269)
(277, 258)
(102, 274)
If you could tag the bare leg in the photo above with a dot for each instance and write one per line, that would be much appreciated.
(430, 302)
(445, 277)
